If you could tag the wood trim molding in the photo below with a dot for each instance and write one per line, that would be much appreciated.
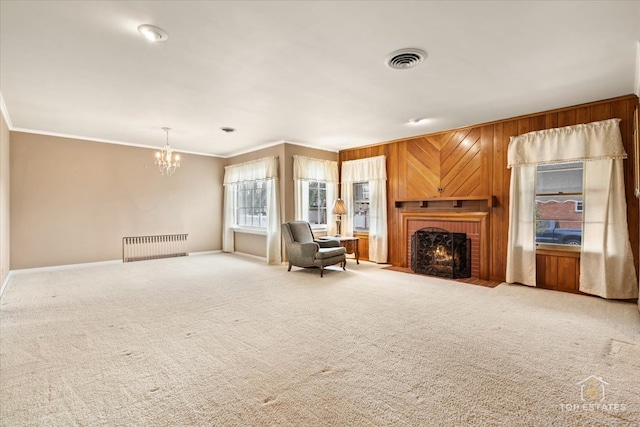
(480, 217)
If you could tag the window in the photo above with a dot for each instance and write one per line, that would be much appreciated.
(317, 202)
(559, 204)
(251, 208)
(361, 206)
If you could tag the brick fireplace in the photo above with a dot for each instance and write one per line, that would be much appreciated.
(474, 224)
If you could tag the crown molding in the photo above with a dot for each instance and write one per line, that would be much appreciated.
(107, 141)
(273, 144)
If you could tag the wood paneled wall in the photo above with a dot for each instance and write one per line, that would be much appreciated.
(472, 161)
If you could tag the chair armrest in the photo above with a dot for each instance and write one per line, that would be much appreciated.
(302, 251)
(327, 242)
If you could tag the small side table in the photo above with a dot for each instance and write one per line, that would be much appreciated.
(351, 244)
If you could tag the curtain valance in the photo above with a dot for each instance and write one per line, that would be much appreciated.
(369, 169)
(266, 168)
(309, 169)
(591, 141)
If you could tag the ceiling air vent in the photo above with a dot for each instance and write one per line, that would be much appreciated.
(405, 58)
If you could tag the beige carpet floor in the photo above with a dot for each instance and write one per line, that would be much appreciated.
(225, 340)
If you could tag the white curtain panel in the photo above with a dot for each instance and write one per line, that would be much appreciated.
(262, 169)
(228, 218)
(266, 168)
(606, 260)
(521, 248)
(346, 192)
(378, 236)
(301, 199)
(374, 171)
(274, 241)
(591, 141)
(307, 169)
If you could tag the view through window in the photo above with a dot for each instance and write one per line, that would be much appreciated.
(317, 203)
(361, 206)
(559, 204)
(251, 208)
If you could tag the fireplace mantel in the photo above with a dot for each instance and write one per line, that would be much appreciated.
(478, 220)
(455, 202)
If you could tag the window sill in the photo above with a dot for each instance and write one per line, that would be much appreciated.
(319, 228)
(558, 250)
(250, 230)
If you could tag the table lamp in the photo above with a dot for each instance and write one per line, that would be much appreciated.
(339, 209)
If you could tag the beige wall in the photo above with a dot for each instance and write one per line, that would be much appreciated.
(254, 244)
(5, 258)
(73, 201)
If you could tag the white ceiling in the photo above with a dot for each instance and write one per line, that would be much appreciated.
(307, 72)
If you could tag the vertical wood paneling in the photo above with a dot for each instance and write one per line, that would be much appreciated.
(550, 272)
(473, 161)
(567, 118)
(567, 278)
(537, 123)
(583, 115)
(551, 120)
(601, 112)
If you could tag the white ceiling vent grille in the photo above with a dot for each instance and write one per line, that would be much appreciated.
(405, 58)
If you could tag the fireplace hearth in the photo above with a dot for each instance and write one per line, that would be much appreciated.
(438, 252)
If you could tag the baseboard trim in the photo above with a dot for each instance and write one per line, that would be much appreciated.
(204, 253)
(256, 257)
(65, 266)
(6, 282)
(92, 264)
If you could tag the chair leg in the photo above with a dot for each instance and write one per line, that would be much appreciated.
(321, 270)
(344, 265)
(289, 267)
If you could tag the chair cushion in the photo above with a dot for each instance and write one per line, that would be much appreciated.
(324, 253)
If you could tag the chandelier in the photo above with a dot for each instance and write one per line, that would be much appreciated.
(166, 161)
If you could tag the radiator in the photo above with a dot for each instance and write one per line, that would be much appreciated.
(139, 248)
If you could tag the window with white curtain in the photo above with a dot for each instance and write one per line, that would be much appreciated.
(606, 260)
(252, 202)
(315, 188)
(364, 192)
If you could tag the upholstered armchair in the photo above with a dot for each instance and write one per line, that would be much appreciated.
(304, 251)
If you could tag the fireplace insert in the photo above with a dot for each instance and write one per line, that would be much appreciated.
(438, 252)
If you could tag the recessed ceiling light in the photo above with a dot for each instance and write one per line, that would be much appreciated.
(417, 121)
(152, 33)
(227, 129)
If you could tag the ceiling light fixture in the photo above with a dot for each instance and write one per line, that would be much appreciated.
(166, 161)
(405, 58)
(417, 121)
(227, 129)
(152, 33)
